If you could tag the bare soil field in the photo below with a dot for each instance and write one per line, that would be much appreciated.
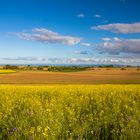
(96, 76)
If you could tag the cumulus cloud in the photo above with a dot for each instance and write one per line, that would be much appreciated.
(81, 15)
(48, 36)
(117, 46)
(119, 28)
(86, 44)
(81, 52)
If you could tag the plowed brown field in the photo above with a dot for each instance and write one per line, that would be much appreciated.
(97, 76)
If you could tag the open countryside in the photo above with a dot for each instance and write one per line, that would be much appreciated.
(69, 69)
(96, 76)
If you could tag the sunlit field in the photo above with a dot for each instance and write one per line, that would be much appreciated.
(96, 76)
(80, 112)
(7, 71)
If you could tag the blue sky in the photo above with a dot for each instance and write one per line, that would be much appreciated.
(70, 31)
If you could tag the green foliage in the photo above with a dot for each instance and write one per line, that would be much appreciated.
(47, 68)
(10, 67)
(101, 112)
(106, 66)
(66, 68)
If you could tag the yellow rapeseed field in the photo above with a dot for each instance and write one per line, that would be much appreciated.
(6, 71)
(70, 112)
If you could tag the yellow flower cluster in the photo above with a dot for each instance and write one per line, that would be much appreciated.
(6, 71)
(70, 112)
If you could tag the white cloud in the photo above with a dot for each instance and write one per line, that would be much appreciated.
(81, 52)
(26, 59)
(81, 15)
(106, 39)
(95, 60)
(117, 39)
(85, 60)
(86, 44)
(97, 16)
(48, 36)
(109, 39)
(119, 28)
(117, 46)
